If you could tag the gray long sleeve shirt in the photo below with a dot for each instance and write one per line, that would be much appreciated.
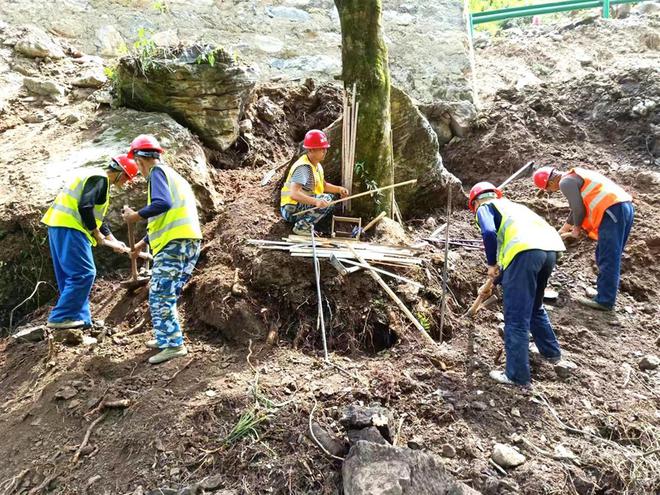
(570, 186)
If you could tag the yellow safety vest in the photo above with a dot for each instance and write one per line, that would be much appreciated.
(319, 181)
(522, 230)
(64, 210)
(180, 221)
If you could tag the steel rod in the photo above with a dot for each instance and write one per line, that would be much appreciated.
(444, 268)
(317, 274)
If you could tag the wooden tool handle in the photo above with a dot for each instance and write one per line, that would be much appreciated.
(374, 221)
(348, 198)
(480, 298)
(131, 244)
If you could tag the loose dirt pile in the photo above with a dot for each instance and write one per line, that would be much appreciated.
(239, 408)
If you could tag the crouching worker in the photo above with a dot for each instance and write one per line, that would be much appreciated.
(306, 188)
(174, 235)
(521, 245)
(76, 223)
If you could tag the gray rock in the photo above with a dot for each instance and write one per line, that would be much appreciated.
(306, 64)
(164, 491)
(565, 368)
(212, 482)
(30, 334)
(269, 111)
(69, 117)
(91, 78)
(359, 417)
(109, 42)
(462, 114)
(584, 58)
(649, 8)
(66, 393)
(506, 456)
(369, 434)
(649, 362)
(290, 13)
(245, 125)
(43, 87)
(209, 99)
(448, 451)
(329, 441)
(416, 443)
(36, 43)
(372, 469)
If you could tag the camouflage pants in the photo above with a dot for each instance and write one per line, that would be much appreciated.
(304, 221)
(173, 267)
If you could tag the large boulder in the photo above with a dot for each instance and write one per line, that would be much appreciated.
(204, 89)
(376, 469)
(416, 156)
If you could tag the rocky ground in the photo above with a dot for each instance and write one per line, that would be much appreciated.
(235, 414)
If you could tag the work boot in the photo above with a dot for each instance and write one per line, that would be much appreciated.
(590, 303)
(152, 344)
(500, 377)
(168, 353)
(65, 324)
(306, 232)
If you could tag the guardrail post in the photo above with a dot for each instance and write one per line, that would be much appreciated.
(606, 9)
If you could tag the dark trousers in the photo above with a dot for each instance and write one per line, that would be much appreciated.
(523, 283)
(612, 237)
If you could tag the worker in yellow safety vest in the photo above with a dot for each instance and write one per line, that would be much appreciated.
(174, 235)
(306, 187)
(604, 211)
(521, 252)
(75, 223)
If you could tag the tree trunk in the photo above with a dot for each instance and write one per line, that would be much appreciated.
(365, 63)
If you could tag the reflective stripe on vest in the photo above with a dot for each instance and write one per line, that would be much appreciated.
(598, 194)
(64, 210)
(521, 230)
(180, 221)
(319, 180)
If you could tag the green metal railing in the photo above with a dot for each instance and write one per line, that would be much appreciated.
(544, 8)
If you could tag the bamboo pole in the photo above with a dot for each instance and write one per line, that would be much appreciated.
(373, 191)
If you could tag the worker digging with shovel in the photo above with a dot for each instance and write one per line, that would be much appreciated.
(521, 252)
(174, 235)
(305, 187)
(75, 223)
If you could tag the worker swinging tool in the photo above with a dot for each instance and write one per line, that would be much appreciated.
(521, 252)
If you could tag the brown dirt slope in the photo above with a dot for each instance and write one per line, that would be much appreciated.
(595, 432)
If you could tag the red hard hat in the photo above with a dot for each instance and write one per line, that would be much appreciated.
(315, 139)
(480, 188)
(144, 142)
(128, 165)
(542, 176)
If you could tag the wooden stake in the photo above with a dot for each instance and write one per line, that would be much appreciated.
(394, 297)
(373, 191)
(374, 221)
(443, 308)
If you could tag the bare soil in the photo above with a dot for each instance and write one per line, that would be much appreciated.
(181, 413)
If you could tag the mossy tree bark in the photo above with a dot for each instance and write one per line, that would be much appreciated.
(365, 63)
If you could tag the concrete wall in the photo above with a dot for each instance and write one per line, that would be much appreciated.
(429, 54)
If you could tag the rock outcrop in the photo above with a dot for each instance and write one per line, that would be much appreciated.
(203, 88)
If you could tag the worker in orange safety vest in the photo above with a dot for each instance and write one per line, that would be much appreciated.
(605, 212)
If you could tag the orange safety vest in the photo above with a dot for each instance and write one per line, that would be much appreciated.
(598, 194)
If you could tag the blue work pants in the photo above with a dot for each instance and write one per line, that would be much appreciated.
(523, 283)
(75, 272)
(612, 237)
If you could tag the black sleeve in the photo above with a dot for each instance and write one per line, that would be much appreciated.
(94, 193)
(105, 229)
